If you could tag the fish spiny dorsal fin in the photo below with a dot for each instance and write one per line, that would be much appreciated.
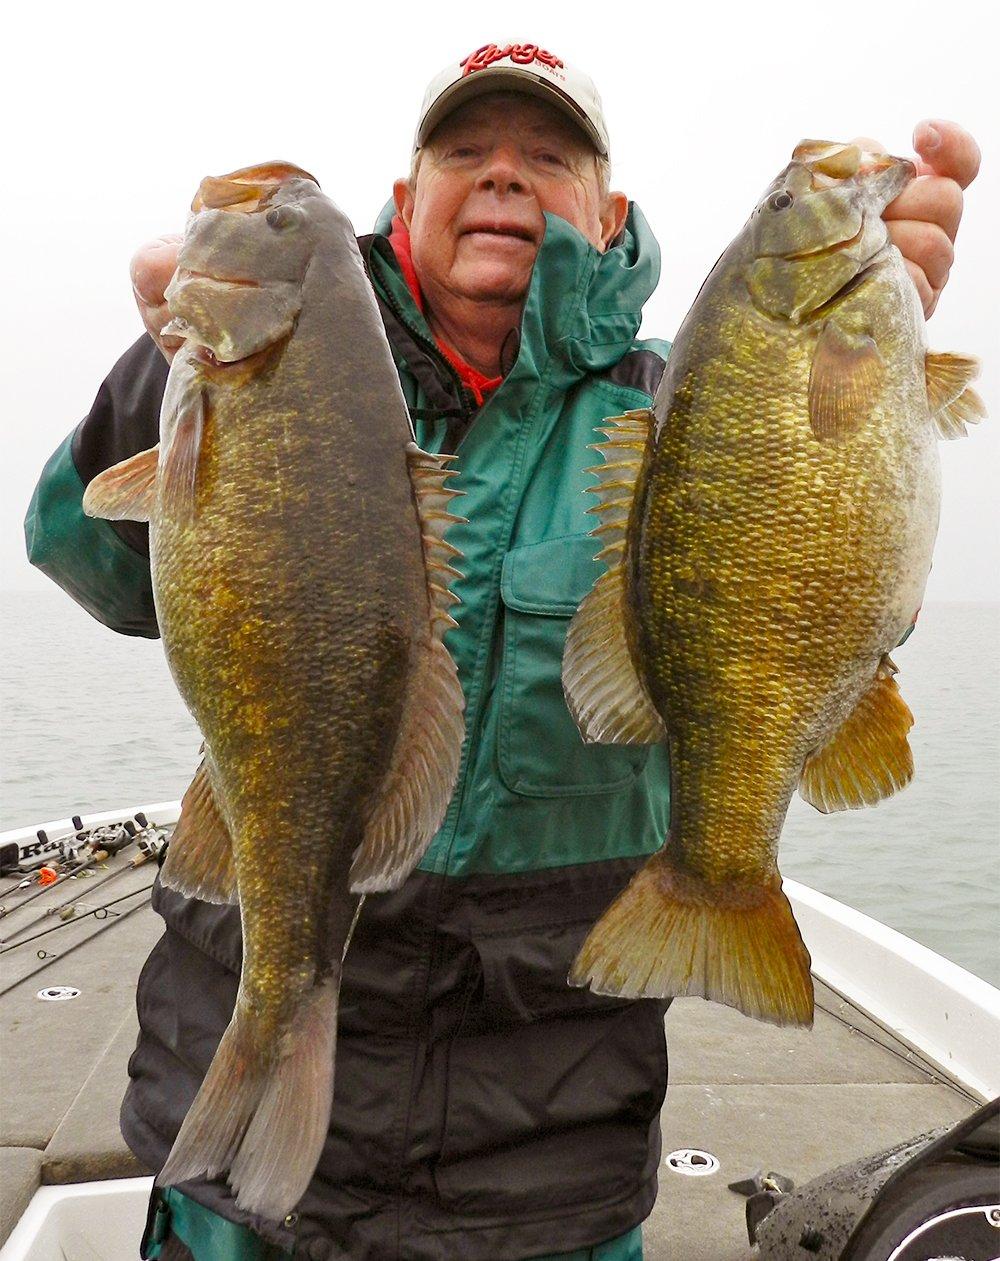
(424, 765)
(953, 404)
(126, 491)
(868, 757)
(604, 693)
(428, 476)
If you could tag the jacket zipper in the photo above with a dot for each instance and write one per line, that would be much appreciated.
(466, 401)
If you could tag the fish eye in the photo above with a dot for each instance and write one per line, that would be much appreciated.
(281, 218)
(781, 200)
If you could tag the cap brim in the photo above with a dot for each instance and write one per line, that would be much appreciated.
(497, 80)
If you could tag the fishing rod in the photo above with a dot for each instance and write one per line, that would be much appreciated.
(57, 958)
(108, 848)
(149, 847)
(13, 856)
(110, 840)
(94, 911)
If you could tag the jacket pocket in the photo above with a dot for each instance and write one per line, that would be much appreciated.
(540, 751)
(552, 1093)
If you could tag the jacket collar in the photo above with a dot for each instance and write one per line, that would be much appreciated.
(583, 307)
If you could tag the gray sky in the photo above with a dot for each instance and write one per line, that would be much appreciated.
(114, 114)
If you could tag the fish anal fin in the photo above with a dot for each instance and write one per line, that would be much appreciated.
(126, 491)
(199, 861)
(868, 757)
(953, 404)
(671, 934)
(603, 691)
(424, 764)
(843, 379)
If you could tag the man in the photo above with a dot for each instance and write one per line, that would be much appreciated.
(484, 1110)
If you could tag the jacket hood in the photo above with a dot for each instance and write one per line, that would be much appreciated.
(583, 307)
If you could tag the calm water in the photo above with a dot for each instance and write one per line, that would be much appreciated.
(91, 721)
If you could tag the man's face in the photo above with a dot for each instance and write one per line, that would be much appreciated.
(486, 175)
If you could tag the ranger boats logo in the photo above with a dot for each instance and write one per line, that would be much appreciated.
(520, 54)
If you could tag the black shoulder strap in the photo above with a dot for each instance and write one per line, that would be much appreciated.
(638, 370)
(438, 387)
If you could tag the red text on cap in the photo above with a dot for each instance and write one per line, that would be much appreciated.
(520, 54)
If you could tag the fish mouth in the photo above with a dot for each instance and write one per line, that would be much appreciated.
(822, 251)
(249, 365)
(187, 273)
(205, 354)
(183, 273)
(825, 250)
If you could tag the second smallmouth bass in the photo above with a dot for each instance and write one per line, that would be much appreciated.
(301, 584)
(768, 526)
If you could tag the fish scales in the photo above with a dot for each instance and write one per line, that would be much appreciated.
(300, 577)
(287, 640)
(749, 527)
(775, 550)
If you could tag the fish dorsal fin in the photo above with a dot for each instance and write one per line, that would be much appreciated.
(424, 764)
(604, 693)
(126, 491)
(952, 403)
(868, 757)
(429, 474)
(846, 370)
(199, 861)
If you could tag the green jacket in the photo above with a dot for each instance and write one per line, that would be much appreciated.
(504, 1115)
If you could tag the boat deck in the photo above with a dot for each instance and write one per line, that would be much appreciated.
(795, 1102)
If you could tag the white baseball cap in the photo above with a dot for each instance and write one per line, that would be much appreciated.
(520, 68)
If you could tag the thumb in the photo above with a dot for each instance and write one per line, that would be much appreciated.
(152, 266)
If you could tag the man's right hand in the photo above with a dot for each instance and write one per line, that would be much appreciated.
(152, 266)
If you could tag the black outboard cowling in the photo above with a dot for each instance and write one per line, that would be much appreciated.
(935, 1197)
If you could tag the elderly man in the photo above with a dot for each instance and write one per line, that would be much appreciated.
(484, 1110)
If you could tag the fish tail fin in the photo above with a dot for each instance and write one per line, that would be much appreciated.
(263, 1119)
(671, 933)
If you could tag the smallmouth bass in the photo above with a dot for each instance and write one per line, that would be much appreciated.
(768, 528)
(300, 576)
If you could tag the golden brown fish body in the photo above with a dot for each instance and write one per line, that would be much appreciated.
(775, 550)
(293, 523)
(291, 605)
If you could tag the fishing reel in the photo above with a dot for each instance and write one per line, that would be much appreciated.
(933, 1198)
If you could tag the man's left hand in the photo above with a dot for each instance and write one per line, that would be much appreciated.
(923, 220)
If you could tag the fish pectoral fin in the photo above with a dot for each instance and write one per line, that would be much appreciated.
(953, 404)
(868, 757)
(183, 450)
(846, 370)
(424, 764)
(126, 491)
(199, 861)
(671, 933)
(603, 690)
